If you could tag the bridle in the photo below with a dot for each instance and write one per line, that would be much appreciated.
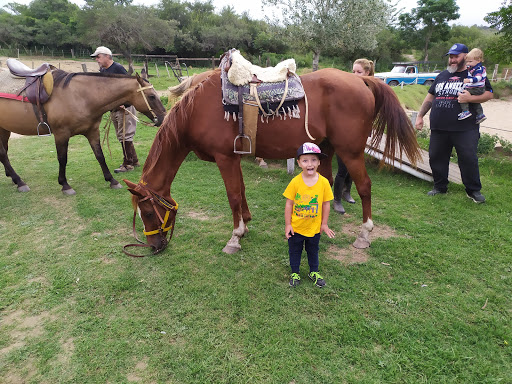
(165, 226)
(141, 90)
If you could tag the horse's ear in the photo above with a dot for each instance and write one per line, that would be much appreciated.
(131, 188)
(139, 79)
(144, 74)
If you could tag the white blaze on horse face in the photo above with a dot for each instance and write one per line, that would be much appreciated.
(143, 225)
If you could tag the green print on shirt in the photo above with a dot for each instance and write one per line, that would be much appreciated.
(305, 209)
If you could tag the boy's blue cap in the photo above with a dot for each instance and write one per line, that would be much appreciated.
(310, 149)
(457, 48)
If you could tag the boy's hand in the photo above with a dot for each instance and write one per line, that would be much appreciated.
(329, 232)
(288, 231)
(467, 80)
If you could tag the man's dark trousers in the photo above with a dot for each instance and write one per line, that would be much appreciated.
(440, 149)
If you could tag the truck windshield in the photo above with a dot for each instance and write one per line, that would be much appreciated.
(398, 69)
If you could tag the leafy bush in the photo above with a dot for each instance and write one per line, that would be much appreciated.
(487, 143)
(506, 146)
(502, 89)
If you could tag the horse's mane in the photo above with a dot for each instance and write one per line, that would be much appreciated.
(60, 76)
(168, 132)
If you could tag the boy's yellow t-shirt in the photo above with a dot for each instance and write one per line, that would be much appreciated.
(307, 204)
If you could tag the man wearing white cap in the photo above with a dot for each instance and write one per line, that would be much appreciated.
(124, 121)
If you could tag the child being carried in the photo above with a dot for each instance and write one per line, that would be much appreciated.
(474, 84)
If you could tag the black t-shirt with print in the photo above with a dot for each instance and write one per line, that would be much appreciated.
(115, 68)
(445, 107)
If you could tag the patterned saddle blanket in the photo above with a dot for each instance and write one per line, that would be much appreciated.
(271, 95)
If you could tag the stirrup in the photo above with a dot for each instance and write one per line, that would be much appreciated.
(46, 134)
(241, 137)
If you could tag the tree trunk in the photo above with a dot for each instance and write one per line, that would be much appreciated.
(316, 59)
(128, 56)
(427, 42)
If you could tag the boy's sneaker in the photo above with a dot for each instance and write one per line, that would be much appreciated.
(477, 197)
(319, 281)
(294, 280)
(480, 118)
(464, 115)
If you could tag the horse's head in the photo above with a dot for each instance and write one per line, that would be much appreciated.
(158, 215)
(148, 102)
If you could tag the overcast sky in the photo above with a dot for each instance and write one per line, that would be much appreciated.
(471, 11)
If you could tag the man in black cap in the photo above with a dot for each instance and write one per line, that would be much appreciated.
(447, 131)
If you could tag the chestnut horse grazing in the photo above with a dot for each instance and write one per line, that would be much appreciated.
(343, 110)
(75, 108)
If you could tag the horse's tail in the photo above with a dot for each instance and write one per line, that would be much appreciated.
(391, 118)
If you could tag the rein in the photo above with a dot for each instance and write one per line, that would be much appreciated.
(164, 227)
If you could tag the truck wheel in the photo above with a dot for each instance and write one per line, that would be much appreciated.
(428, 83)
(393, 83)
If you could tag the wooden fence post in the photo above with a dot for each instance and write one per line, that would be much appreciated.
(495, 73)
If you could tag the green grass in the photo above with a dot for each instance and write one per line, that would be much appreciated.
(74, 308)
(411, 96)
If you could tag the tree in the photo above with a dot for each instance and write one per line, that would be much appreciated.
(50, 23)
(502, 21)
(124, 28)
(340, 25)
(429, 22)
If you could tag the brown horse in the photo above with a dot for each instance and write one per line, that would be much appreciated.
(75, 108)
(343, 109)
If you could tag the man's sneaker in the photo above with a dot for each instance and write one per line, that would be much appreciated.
(319, 281)
(464, 115)
(477, 197)
(480, 118)
(294, 280)
(435, 192)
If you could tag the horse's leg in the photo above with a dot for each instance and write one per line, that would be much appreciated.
(246, 214)
(357, 171)
(231, 172)
(61, 143)
(94, 140)
(4, 159)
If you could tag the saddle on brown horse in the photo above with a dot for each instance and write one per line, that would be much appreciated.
(251, 91)
(38, 88)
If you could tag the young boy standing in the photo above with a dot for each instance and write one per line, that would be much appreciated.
(306, 212)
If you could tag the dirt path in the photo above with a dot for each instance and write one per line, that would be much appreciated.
(65, 65)
(498, 120)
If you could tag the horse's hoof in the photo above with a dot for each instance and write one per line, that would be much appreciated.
(69, 192)
(23, 188)
(116, 186)
(361, 243)
(230, 249)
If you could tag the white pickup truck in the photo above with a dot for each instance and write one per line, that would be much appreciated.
(406, 74)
